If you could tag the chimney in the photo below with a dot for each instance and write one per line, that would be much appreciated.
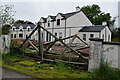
(77, 8)
(104, 23)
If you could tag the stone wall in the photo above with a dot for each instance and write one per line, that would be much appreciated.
(103, 51)
(5, 41)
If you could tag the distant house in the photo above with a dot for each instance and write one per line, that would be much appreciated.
(102, 32)
(64, 25)
(21, 31)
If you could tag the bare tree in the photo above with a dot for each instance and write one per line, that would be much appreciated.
(6, 14)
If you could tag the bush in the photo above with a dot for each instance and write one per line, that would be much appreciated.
(105, 72)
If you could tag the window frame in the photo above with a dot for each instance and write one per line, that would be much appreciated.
(84, 37)
(58, 22)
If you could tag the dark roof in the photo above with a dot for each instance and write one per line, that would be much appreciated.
(92, 29)
(45, 19)
(24, 26)
(65, 16)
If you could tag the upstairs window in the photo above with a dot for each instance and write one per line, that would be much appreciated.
(84, 37)
(20, 29)
(58, 21)
(91, 35)
(48, 23)
(13, 29)
(28, 29)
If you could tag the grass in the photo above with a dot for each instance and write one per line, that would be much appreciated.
(105, 72)
(41, 70)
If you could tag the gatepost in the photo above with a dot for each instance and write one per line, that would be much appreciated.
(95, 54)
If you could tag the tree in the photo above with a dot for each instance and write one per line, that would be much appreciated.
(7, 14)
(5, 29)
(23, 22)
(96, 16)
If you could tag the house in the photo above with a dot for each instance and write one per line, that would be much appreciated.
(102, 32)
(21, 31)
(64, 25)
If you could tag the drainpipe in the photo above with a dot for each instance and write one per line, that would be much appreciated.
(99, 35)
(65, 31)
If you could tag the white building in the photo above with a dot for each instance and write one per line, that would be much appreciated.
(102, 32)
(21, 31)
(64, 25)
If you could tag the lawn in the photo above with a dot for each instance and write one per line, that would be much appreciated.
(36, 69)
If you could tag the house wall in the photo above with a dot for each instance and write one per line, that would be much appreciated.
(76, 20)
(106, 32)
(80, 34)
(24, 32)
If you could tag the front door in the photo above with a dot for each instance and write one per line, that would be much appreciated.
(20, 36)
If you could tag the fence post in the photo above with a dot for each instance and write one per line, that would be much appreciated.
(95, 54)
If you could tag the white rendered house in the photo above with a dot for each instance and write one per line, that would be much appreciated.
(21, 31)
(64, 25)
(102, 32)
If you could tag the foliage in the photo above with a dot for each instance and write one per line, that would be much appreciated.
(23, 22)
(105, 72)
(42, 70)
(7, 14)
(116, 35)
(96, 16)
(61, 66)
(27, 50)
(5, 29)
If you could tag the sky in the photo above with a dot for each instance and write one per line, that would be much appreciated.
(32, 10)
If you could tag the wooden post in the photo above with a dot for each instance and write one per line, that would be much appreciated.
(39, 39)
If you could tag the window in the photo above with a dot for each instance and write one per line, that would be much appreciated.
(60, 35)
(55, 34)
(108, 37)
(20, 29)
(13, 29)
(48, 23)
(91, 35)
(14, 35)
(48, 37)
(20, 35)
(26, 36)
(58, 21)
(84, 37)
(28, 29)
(11, 35)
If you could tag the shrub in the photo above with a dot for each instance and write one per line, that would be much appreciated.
(105, 72)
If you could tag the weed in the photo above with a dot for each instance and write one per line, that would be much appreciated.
(105, 72)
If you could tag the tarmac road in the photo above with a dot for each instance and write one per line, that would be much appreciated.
(13, 75)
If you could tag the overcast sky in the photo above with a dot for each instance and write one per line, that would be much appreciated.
(32, 10)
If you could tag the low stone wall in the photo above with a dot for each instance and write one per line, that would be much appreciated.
(5, 41)
(103, 51)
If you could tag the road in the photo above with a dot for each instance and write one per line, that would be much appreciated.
(6, 73)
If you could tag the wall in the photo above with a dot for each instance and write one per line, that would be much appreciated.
(103, 51)
(5, 41)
